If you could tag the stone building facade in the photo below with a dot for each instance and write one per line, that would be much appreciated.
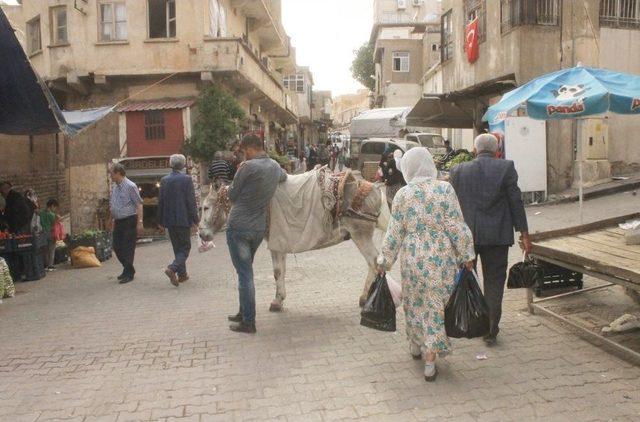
(117, 52)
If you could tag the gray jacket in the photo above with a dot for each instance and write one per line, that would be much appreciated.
(490, 199)
(251, 191)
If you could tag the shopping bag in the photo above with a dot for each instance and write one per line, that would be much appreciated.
(379, 312)
(58, 231)
(466, 314)
(395, 289)
(525, 274)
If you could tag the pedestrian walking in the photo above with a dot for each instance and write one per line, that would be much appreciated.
(342, 159)
(250, 194)
(492, 205)
(221, 169)
(313, 158)
(126, 213)
(428, 235)
(178, 214)
(391, 175)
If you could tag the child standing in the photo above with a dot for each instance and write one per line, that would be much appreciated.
(48, 218)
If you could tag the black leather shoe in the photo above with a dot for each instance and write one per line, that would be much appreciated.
(242, 327)
(490, 340)
(126, 279)
(121, 276)
(235, 318)
(173, 278)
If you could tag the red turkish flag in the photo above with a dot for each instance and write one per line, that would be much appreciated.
(471, 41)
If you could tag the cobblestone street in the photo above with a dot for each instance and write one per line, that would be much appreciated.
(77, 346)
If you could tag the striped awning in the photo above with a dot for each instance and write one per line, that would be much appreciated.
(156, 105)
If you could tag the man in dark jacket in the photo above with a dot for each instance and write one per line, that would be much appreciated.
(17, 213)
(492, 206)
(177, 212)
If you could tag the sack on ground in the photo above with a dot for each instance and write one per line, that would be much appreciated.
(379, 312)
(466, 314)
(84, 257)
(524, 275)
(396, 290)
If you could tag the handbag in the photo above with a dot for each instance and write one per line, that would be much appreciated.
(58, 231)
(525, 274)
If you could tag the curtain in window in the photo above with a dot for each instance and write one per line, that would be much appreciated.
(214, 18)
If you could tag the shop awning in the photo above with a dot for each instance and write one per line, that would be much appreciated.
(27, 107)
(461, 109)
(172, 104)
(436, 111)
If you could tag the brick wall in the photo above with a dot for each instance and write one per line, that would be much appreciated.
(36, 163)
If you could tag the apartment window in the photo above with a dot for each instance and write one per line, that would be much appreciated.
(477, 9)
(294, 83)
(446, 42)
(113, 21)
(34, 40)
(400, 61)
(58, 19)
(162, 18)
(620, 13)
(528, 12)
(154, 125)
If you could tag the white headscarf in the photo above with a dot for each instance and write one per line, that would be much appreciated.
(397, 156)
(417, 165)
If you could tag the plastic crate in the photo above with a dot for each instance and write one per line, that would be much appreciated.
(61, 255)
(556, 277)
(24, 243)
(102, 243)
(7, 246)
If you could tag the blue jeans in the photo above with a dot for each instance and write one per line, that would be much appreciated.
(243, 245)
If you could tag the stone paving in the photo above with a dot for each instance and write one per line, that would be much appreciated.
(79, 347)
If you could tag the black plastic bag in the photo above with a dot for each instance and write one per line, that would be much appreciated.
(379, 312)
(525, 274)
(466, 314)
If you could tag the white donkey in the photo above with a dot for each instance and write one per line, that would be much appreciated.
(362, 207)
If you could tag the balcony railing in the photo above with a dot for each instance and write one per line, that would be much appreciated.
(620, 13)
(529, 12)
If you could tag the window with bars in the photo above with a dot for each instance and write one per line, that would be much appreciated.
(294, 82)
(515, 13)
(401, 61)
(113, 21)
(34, 40)
(154, 125)
(58, 19)
(477, 9)
(446, 34)
(162, 18)
(620, 13)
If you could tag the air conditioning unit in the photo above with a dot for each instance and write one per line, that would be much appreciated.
(417, 3)
(402, 4)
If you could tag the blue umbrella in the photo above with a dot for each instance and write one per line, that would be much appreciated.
(570, 93)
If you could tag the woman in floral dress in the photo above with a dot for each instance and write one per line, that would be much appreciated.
(429, 234)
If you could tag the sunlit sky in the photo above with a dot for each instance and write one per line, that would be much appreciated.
(325, 33)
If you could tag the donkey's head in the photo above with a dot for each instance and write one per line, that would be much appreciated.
(215, 211)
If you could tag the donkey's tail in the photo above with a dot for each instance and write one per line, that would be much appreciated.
(385, 213)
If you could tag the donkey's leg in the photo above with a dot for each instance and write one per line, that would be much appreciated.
(363, 238)
(279, 269)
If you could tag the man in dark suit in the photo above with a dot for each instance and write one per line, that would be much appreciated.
(492, 206)
(178, 213)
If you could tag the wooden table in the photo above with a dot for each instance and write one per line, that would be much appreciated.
(597, 249)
